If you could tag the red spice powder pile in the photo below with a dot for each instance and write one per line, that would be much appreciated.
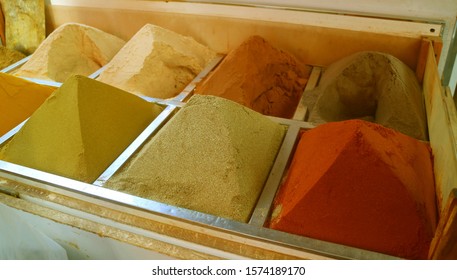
(360, 184)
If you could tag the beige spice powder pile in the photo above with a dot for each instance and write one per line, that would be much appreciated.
(213, 156)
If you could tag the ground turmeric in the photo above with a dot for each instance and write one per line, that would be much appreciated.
(80, 129)
(18, 100)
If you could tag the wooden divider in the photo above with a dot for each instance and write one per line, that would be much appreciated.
(442, 126)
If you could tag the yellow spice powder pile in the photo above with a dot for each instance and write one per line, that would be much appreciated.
(213, 156)
(80, 129)
(18, 100)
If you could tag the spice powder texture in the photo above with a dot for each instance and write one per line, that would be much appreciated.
(360, 184)
(80, 129)
(259, 76)
(372, 86)
(18, 100)
(8, 57)
(157, 62)
(71, 49)
(213, 156)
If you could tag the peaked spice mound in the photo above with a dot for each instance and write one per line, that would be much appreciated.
(360, 184)
(213, 156)
(259, 76)
(19, 98)
(80, 129)
(71, 49)
(157, 62)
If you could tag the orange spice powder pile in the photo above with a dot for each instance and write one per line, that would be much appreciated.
(360, 184)
(259, 76)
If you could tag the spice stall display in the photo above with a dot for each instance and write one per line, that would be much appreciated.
(182, 142)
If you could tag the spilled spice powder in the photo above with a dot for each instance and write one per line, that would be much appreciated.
(360, 184)
(259, 76)
(80, 129)
(19, 98)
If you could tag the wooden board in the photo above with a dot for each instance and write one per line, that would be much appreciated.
(319, 46)
(437, 44)
(442, 124)
(444, 245)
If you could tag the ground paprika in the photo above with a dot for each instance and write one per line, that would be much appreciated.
(360, 184)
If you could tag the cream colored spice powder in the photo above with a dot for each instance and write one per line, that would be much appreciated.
(80, 129)
(213, 156)
(156, 62)
(71, 49)
(372, 86)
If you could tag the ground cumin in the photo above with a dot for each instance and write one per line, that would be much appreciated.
(259, 76)
(80, 129)
(363, 185)
(18, 100)
(213, 156)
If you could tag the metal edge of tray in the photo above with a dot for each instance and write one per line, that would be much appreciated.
(301, 111)
(15, 65)
(161, 101)
(191, 86)
(263, 205)
(98, 72)
(133, 147)
(125, 202)
(42, 82)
